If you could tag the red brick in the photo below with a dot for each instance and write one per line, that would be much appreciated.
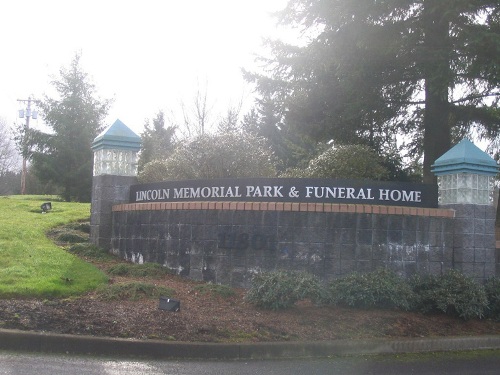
(319, 207)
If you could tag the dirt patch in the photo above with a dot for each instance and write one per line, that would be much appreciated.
(205, 317)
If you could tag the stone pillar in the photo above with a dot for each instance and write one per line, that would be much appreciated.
(465, 177)
(115, 170)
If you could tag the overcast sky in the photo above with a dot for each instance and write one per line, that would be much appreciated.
(147, 55)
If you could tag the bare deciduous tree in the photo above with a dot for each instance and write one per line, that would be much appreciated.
(9, 157)
(196, 116)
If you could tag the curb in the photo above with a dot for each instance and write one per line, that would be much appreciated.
(116, 347)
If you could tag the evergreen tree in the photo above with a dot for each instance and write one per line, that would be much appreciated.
(157, 141)
(63, 157)
(427, 70)
(290, 149)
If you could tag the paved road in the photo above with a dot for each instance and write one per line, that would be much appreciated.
(483, 362)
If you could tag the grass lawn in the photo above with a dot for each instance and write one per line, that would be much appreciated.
(30, 263)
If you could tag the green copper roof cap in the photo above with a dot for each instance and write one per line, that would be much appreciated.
(465, 157)
(117, 136)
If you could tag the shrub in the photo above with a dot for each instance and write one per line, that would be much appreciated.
(227, 155)
(281, 289)
(80, 226)
(88, 250)
(70, 237)
(382, 289)
(452, 293)
(348, 161)
(138, 270)
(492, 288)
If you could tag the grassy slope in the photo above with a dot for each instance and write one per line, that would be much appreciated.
(30, 264)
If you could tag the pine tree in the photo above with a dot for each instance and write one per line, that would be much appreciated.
(64, 156)
(157, 141)
(371, 70)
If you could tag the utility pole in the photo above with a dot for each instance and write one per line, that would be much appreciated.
(27, 114)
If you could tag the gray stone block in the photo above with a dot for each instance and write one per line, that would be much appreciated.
(379, 252)
(379, 238)
(332, 251)
(464, 226)
(435, 239)
(380, 222)
(480, 255)
(365, 221)
(489, 241)
(423, 237)
(348, 252)
(436, 254)
(464, 255)
(364, 237)
(314, 219)
(423, 253)
(490, 213)
(479, 211)
(409, 237)
(395, 222)
(478, 240)
(479, 226)
(348, 220)
(489, 226)
(395, 237)
(348, 236)
(363, 252)
(347, 267)
(463, 210)
(332, 267)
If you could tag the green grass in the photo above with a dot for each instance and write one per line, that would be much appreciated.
(31, 265)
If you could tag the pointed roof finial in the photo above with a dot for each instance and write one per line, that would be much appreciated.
(117, 136)
(465, 157)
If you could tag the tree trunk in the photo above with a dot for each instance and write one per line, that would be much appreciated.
(437, 76)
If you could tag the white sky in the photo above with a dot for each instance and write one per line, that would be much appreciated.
(147, 55)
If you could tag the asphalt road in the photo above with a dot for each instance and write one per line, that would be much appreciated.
(478, 362)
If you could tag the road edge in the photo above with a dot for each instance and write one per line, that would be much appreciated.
(43, 342)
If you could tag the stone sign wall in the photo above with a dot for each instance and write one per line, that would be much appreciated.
(227, 230)
(228, 243)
